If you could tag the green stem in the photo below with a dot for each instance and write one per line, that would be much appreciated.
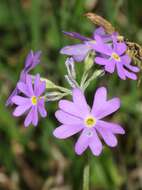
(83, 80)
(86, 177)
(63, 89)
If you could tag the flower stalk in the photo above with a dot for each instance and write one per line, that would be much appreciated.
(86, 177)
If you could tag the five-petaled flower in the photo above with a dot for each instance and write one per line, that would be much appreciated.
(32, 100)
(31, 61)
(114, 56)
(76, 116)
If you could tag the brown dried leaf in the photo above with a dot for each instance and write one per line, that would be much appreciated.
(100, 21)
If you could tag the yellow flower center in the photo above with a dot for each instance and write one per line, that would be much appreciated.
(116, 57)
(90, 121)
(34, 100)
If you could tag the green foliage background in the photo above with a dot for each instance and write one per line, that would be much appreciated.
(32, 159)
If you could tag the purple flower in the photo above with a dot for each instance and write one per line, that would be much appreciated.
(113, 56)
(76, 116)
(31, 61)
(79, 51)
(32, 100)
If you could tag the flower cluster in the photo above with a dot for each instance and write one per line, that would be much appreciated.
(110, 52)
(77, 116)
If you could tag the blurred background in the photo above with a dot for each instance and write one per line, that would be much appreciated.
(32, 159)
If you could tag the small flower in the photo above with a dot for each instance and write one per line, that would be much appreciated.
(114, 56)
(32, 100)
(31, 61)
(76, 116)
(79, 51)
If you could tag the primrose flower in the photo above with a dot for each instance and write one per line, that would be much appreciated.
(79, 51)
(32, 100)
(114, 56)
(76, 116)
(31, 61)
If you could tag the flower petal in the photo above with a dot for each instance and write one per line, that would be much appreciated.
(65, 131)
(19, 100)
(126, 60)
(95, 144)
(29, 85)
(41, 108)
(29, 118)
(35, 116)
(21, 109)
(9, 100)
(80, 101)
(70, 107)
(102, 61)
(76, 36)
(39, 86)
(66, 118)
(130, 75)
(32, 60)
(82, 143)
(78, 49)
(120, 47)
(107, 136)
(23, 88)
(112, 127)
(121, 71)
(100, 98)
(101, 47)
(132, 68)
(79, 58)
(110, 66)
(107, 108)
